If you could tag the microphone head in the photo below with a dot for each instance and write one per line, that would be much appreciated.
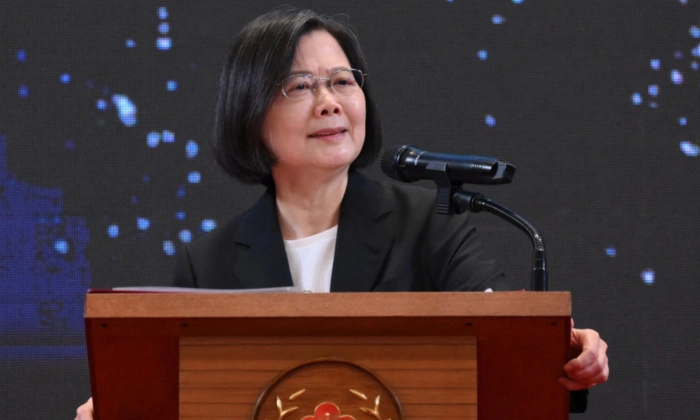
(395, 161)
(390, 160)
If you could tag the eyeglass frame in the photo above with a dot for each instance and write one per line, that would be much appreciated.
(315, 86)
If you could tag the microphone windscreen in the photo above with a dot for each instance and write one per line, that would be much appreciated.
(389, 160)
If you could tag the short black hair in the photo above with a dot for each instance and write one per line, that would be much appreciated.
(262, 54)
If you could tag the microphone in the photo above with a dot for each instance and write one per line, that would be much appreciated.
(409, 164)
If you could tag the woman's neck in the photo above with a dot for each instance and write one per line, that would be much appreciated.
(307, 205)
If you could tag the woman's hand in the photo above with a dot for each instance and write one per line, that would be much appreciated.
(591, 366)
(84, 412)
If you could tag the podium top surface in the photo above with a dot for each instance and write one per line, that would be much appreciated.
(328, 305)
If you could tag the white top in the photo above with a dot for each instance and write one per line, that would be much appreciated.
(311, 260)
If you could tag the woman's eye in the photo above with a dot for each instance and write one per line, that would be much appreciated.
(343, 82)
(297, 85)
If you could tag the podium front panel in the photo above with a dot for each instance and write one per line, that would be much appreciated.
(432, 377)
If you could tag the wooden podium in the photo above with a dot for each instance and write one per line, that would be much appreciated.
(491, 356)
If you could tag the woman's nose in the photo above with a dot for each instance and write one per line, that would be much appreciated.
(326, 103)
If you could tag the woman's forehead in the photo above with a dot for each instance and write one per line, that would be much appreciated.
(319, 52)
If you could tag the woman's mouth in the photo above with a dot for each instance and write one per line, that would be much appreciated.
(328, 132)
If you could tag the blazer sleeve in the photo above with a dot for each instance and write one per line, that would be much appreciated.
(444, 251)
(457, 257)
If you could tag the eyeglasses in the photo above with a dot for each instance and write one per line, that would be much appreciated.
(342, 82)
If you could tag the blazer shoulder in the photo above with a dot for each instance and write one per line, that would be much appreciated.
(221, 236)
(237, 254)
(194, 260)
(243, 229)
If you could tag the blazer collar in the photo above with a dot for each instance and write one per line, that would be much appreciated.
(264, 262)
(363, 242)
(361, 246)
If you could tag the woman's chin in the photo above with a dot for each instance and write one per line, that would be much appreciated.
(336, 159)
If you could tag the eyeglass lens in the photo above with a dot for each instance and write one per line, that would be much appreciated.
(342, 82)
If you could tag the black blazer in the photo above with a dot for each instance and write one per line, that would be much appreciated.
(389, 239)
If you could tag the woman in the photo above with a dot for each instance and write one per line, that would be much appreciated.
(296, 113)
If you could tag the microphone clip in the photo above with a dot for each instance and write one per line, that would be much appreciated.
(446, 189)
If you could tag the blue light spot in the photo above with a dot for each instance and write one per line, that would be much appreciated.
(208, 225)
(180, 215)
(648, 276)
(676, 77)
(194, 177)
(70, 145)
(652, 104)
(153, 138)
(678, 55)
(65, 78)
(180, 191)
(483, 55)
(653, 90)
(696, 51)
(683, 121)
(164, 28)
(126, 109)
(162, 12)
(61, 246)
(113, 231)
(655, 63)
(142, 223)
(171, 85)
(694, 65)
(23, 91)
(517, 1)
(21, 56)
(168, 136)
(134, 199)
(146, 179)
(185, 235)
(636, 98)
(683, 1)
(690, 149)
(164, 43)
(168, 248)
(130, 43)
(695, 31)
(191, 149)
(101, 104)
(490, 120)
(610, 251)
(497, 19)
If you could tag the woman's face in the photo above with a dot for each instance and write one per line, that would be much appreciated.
(323, 131)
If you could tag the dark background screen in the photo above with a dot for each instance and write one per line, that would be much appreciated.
(106, 109)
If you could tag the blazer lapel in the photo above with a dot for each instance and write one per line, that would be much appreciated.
(263, 262)
(362, 243)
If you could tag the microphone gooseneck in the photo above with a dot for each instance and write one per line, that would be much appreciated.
(476, 202)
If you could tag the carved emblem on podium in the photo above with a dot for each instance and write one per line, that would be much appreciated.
(327, 389)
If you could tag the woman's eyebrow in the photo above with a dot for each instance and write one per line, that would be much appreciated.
(330, 71)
